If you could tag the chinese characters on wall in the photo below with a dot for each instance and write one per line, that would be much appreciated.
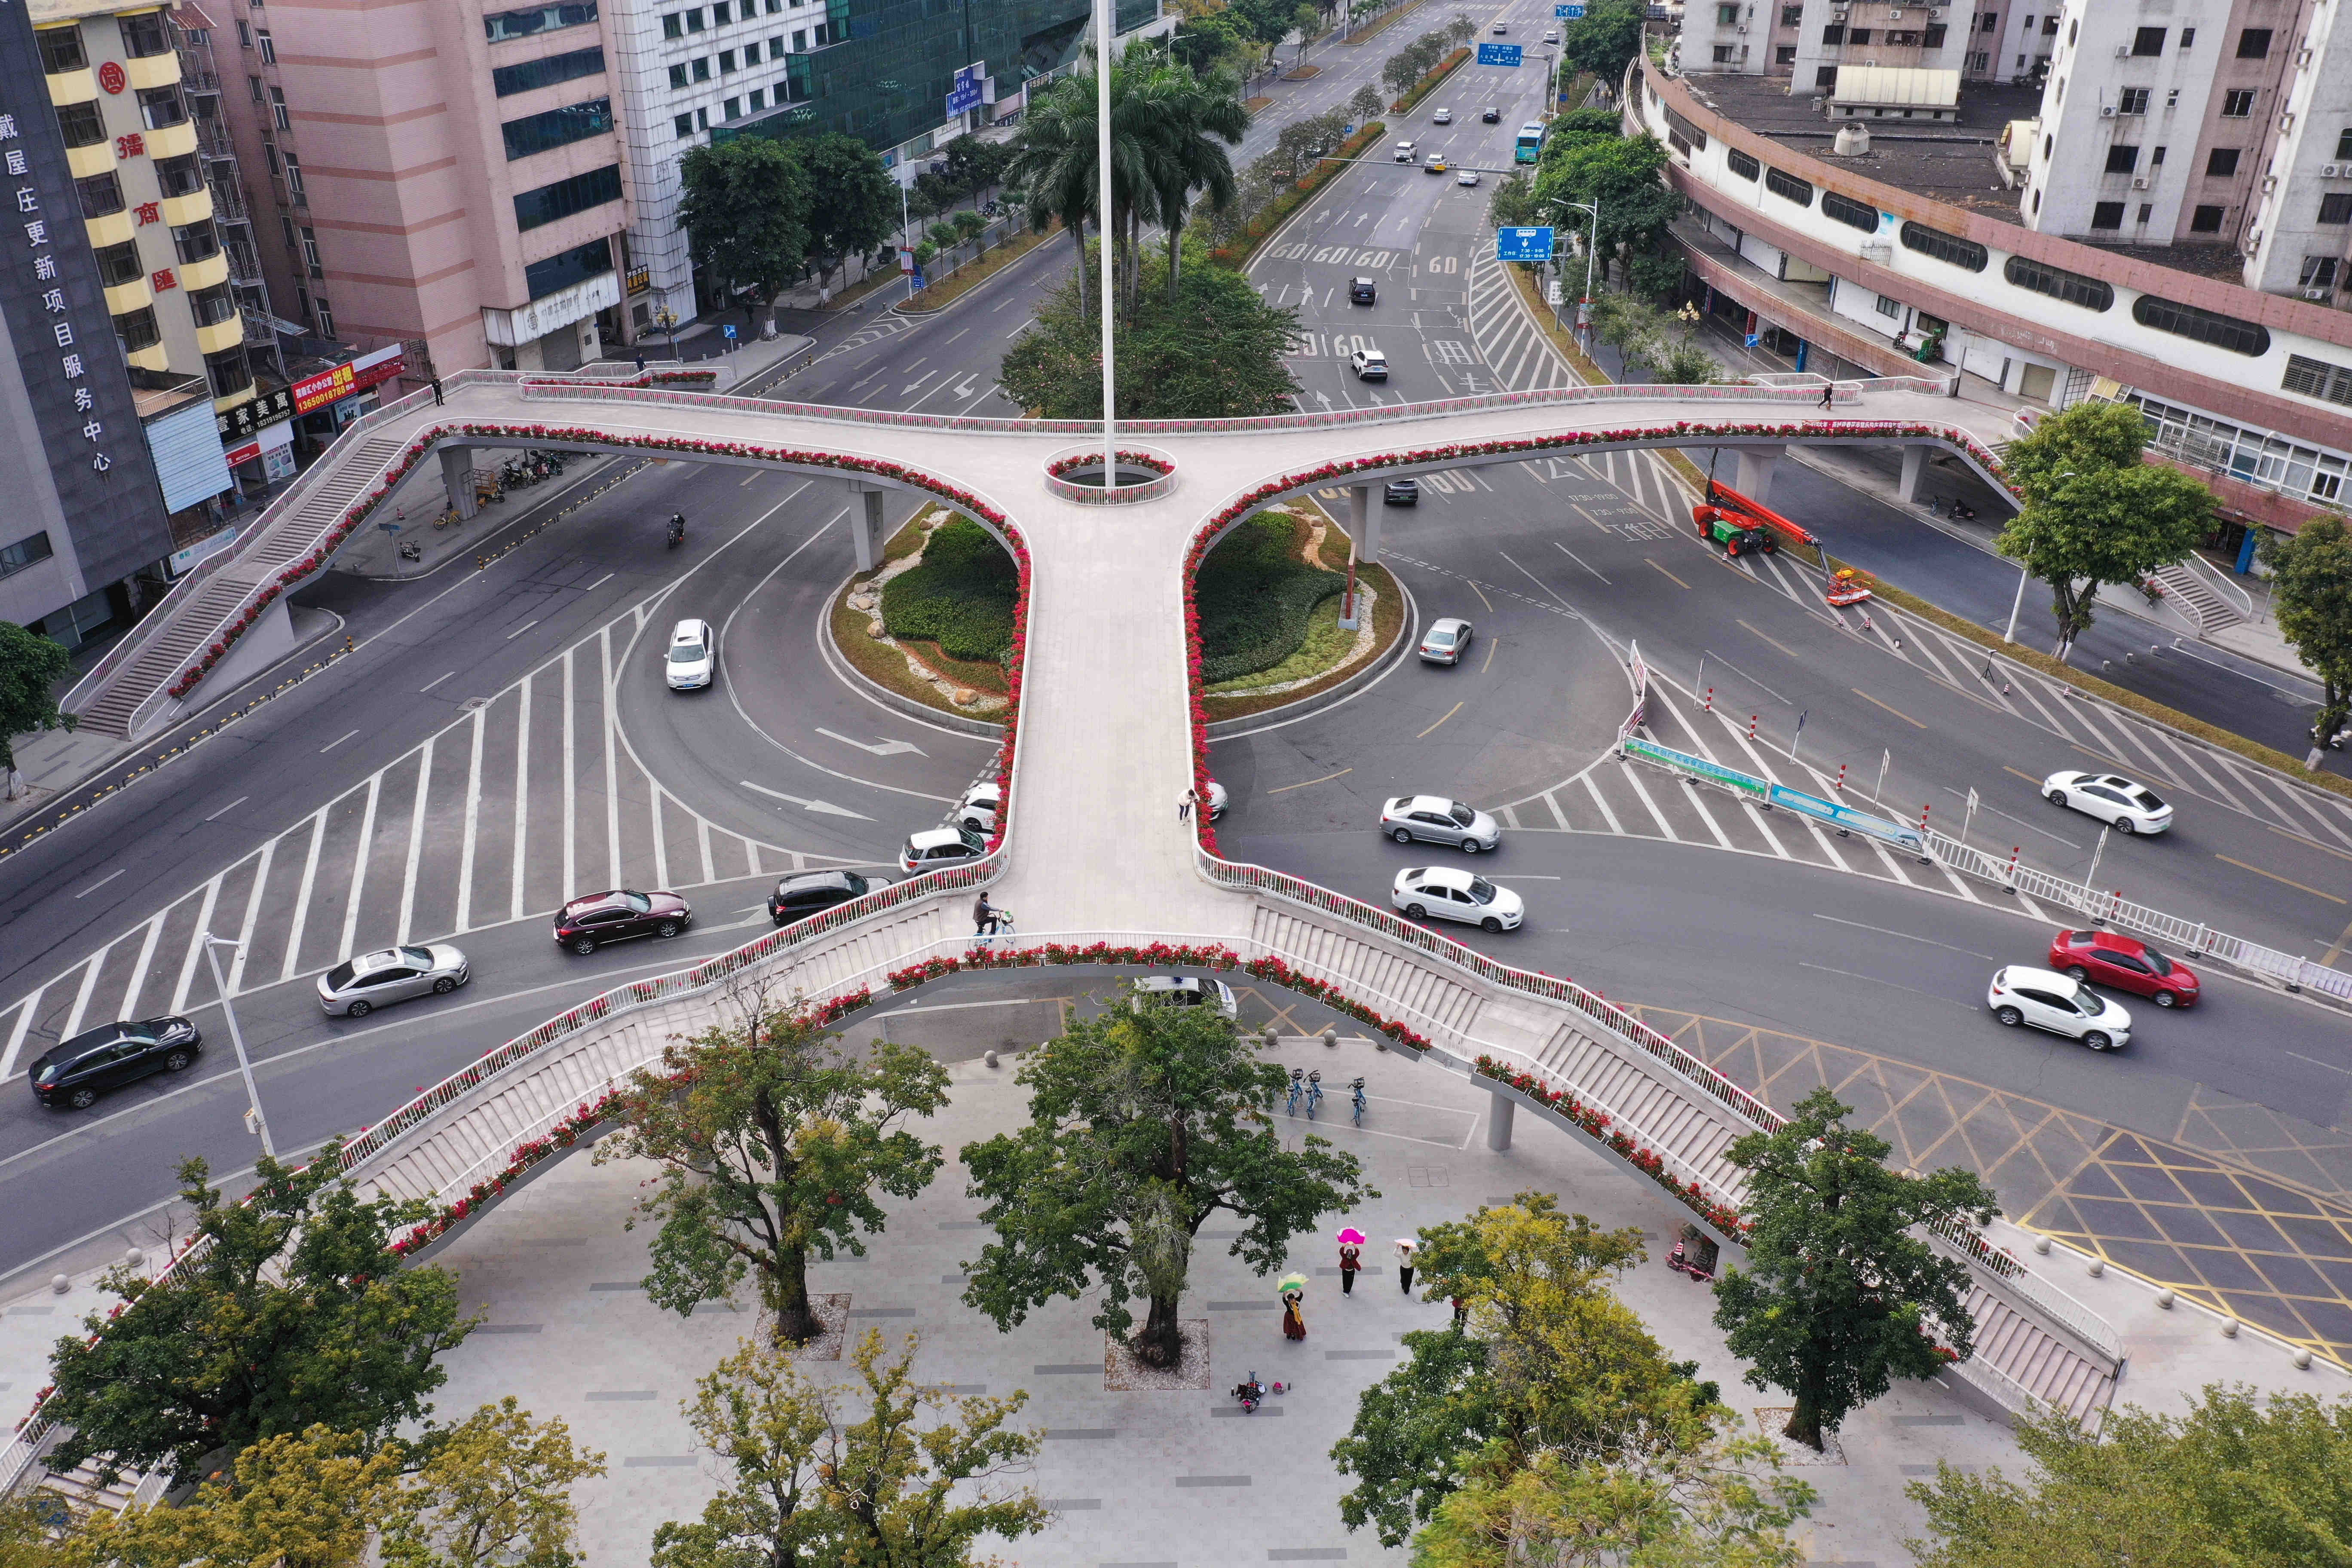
(41, 258)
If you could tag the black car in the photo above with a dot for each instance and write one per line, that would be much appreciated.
(798, 896)
(1361, 292)
(583, 925)
(72, 1073)
(1401, 492)
(1490, 115)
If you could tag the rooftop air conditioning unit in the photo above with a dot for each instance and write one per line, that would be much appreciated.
(2107, 111)
(2330, 171)
(2123, 51)
(2139, 182)
(2317, 294)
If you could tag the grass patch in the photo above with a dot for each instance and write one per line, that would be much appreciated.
(965, 278)
(960, 597)
(1388, 625)
(1255, 596)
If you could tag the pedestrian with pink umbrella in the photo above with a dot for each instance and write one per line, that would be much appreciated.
(1351, 1258)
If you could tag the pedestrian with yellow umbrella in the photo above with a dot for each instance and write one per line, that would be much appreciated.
(1292, 1288)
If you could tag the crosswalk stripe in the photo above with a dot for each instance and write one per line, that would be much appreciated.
(521, 797)
(16, 1032)
(81, 996)
(465, 918)
(302, 896)
(252, 914)
(1602, 801)
(416, 842)
(359, 869)
(195, 954)
(139, 970)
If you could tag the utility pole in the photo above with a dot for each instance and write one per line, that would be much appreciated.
(1103, 225)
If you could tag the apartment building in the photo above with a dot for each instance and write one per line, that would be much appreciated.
(1807, 41)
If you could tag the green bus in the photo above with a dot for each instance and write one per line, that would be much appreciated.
(1531, 139)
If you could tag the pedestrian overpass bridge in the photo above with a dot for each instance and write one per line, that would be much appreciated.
(1107, 741)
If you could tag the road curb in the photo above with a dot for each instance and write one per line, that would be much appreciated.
(901, 310)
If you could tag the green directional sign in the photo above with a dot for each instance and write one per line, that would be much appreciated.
(1683, 761)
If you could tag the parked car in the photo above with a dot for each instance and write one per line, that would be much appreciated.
(1363, 292)
(1438, 820)
(693, 656)
(978, 808)
(1184, 991)
(1401, 492)
(938, 846)
(2125, 962)
(1490, 115)
(73, 1073)
(1446, 641)
(2126, 806)
(2058, 1003)
(585, 924)
(1426, 892)
(805, 893)
(359, 986)
(1466, 177)
(1443, 117)
(1436, 164)
(1501, 27)
(1369, 364)
(1402, 152)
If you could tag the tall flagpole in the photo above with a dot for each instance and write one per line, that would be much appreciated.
(1103, 224)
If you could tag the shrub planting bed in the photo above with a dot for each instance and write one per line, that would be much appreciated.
(1257, 597)
(960, 597)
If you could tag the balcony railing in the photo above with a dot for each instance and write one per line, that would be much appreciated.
(244, 265)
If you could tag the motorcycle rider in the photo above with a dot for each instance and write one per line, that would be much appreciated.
(678, 528)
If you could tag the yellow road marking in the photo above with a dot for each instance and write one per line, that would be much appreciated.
(2300, 842)
(1492, 643)
(1670, 576)
(2290, 882)
(1302, 784)
(2337, 948)
(2028, 778)
(1875, 702)
(1450, 712)
(1481, 597)
(1792, 653)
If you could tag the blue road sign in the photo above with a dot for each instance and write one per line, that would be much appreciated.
(965, 95)
(1754, 339)
(1523, 244)
(1572, 12)
(1498, 54)
(389, 527)
(729, 330)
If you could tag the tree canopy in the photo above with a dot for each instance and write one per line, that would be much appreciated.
(290, 1316)
(772, 1143)
(746, 211)
(1215, 352)
(31, 666)
(1605, 42)
(1623, 176)
(2093, 512)
(1839, 1298)
(2311, 590)
(1143, 1121)
(853, 202)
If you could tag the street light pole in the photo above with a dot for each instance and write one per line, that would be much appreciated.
(213, 945)
(1103, 24)
(1591, 250)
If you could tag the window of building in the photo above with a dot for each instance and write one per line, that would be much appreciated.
(2122, 159)
(82, 124)
(702, 68)
(99, 193)
(2132, 100)
(683, 124)
(1990, 21)
(2343, 143)
(777, 49)
(1887, 307)
(702, 119)
(2156, 159)
(1857, 34)
(1852, 213)
(325, 315)
(1789, 187)
(2238, 103)
(212, 306)
(2247, 338)
(1825, 76)
(534, 20)
(1933, 35)
(1741, 165)
(693, 20)
(120, 264)
(269, 155)
(138, 329)
(564, 197)
(144, 34)
(294, 182)
(1833, 34)
(2148, 41)
(2146, 211)
(557, 127)
(1946, 247)
(1726, 15)
(61, 50)
(725, 62)
(2254, 44)
(2335, 207)
(2318, 378)
(2050, 26)
(260, 91)
(161, 105)
(1785, 55)
(244, 34)
(25, 553)
(2108, 214)
(678, 78)
(758, 100)
(228, 371)
(195, 241)
(2188, 37)
(2221, 163)
(671, 28)
(2060, 284)
(312, 262)
(286, 226)
(2319, 272)
(548, 72)
(576, 265)
(266, 45)
(732, 109)
(277, 110)
(800, 40)
(180, 176)
(1791, 15)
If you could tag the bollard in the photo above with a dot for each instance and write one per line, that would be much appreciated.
(2302, 1360)
(2010, 877)
(60, 1284)
(2164, 1299)
(1840, 785)
(990, 1059)
(1751, 724)
(1923, 817)
(1330, 1039)
(2098, 1267)
(2229, 1328)
(1709, 707)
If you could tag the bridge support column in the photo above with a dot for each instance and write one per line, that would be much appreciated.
(1915, 468)
(1364, 524)
(1498, 1122)
(866, 523)
(457, 479)
(1755, 471)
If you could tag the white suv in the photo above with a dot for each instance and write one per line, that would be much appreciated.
(693, 656)
(2021, 995)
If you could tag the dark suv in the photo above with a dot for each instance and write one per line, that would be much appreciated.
(1361, 292)
(583, 925)
(72, 1073)
(797, 898)
(1401, 492)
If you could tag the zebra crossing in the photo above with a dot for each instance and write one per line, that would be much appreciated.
(530, 799)
(1506, 336)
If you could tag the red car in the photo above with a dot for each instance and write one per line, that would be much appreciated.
(2105, 959)
(583, 925)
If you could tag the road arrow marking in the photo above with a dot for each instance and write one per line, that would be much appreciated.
(884, 749)
(816, 805)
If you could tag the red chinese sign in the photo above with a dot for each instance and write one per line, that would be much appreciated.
(131, 146)
(110, 77)
(162, 279)
(147, 213)
(314, 392)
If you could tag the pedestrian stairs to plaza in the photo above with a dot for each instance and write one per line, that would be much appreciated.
(2191, 594)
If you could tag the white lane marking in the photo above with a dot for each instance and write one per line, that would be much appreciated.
(81, 997)
(570, 790)
(416, 840)
(521, 797)
(816, 805)
(252, 914)
(17, 1035)
(1572, 555)
(880, 749)
(139, 970)
(1874, 980)
(661, 839)
(232, 805)
(359, 869)
(522, 628)
(337, 741)
(1907, 936)
(101, 881)
(434, 681)
(465, 920)
(196, 946)
(612, 764)
(302, 895)
(597, 583)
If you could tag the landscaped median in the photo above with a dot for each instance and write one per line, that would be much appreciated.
(935, 622)
(1270, 598)
(947, 290)
(1428, 83)
(1255, 232)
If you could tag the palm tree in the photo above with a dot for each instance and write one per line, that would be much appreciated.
(1188, 119)
(1054, 158)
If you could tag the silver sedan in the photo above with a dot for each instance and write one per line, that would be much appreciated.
(357, 988)
(1435, 820)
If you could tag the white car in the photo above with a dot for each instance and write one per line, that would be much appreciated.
(938, 846)
(1184, 991)
(1551, 35)
(1438, 892)
(1369, 364)
(1501, 27)
(1466, 177)
(693, 656)
(978, 808)
(1443, 117)
(2021, 995)
(2124, 805)
(1403, 153)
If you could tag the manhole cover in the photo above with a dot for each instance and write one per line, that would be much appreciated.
(471, 704)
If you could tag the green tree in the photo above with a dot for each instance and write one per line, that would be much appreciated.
(1143, 1121)
(1190, 120)
(2238, 1482)
(495, 1492)
(2092, 513)
(746, 210)
(305, 1500)
(818, 1483)
(1624, 176)
(772, 1143)
(1605, 42)
(1839, 1298)
(2311, 588)
(31, 666)
(1054, 157)
(288, 1316)
(1513, 205)
(1216, 351)
(1460, 31)
(853, 202)
(973, 164)
(1366, 105)
(1204, 44)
